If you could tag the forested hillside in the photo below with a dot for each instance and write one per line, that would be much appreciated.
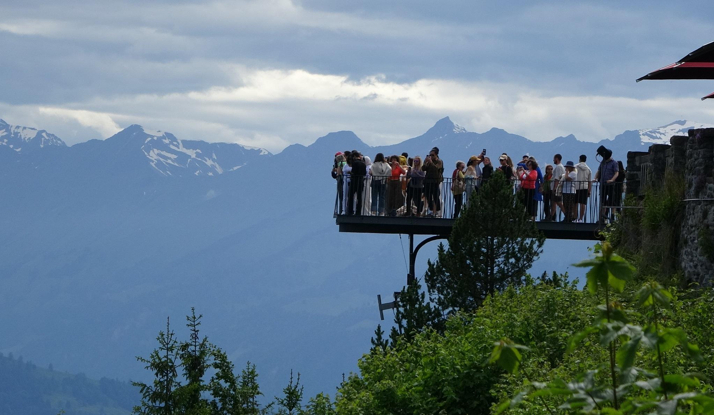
(30, 390)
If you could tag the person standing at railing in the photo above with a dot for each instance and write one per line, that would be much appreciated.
(569, 180)
(380, 172)
(505, 168)
(367, 191)
(395, 198)
(487, 170)
(458, 187)
(415, 186)
(470, 180)
(583, 186)
(558, 172)
(346, 178)
(358, 176)
(337, 175)
(528, 177)
(606, 175)
(547, 191)
(539, 182)
(434, 168)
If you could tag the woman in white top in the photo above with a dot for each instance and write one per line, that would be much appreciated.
(569, 201)
(380, 172)
(346, 173)
(366, 192)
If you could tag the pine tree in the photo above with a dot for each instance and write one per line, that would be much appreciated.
(414, 314)
(159, 398)
(249, 390)
(196, 356)
(492, 244)
(292, 397)
(379, 343)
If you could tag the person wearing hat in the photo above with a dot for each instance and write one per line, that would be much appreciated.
(505, 168)
(569, 191)
(606, 175)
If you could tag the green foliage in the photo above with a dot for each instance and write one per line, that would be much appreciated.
(648, 231)
(629, 388)
(159, 398)
(28, 389)
(320, 405)
(194, 393)
(448, 372)
(290, 402)
(413, 315)
(492, 244)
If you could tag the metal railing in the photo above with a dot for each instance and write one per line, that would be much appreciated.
(384, 196)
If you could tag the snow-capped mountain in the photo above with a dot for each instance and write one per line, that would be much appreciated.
(162, 151)
(661, 135)
(26, 139)
(170, 155)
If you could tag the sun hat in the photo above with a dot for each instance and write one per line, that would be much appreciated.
(570, 164)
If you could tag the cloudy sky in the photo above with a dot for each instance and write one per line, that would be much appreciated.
(270, 73)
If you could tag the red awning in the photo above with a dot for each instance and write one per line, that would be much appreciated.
(696, 65)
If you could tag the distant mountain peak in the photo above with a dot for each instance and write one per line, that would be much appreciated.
(661, 135)
(23, 139)
(340, 140)
(443, 128)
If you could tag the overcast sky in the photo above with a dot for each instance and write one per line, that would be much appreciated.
(270, 73)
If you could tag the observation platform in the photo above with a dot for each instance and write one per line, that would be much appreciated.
(442, 227)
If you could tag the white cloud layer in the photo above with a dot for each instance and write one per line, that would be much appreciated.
(271, 73)
(275, 108)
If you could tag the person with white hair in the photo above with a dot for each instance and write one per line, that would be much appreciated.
(366, 191)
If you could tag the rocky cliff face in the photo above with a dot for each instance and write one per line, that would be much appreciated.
(693, 157)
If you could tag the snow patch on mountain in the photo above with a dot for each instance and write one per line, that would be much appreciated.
(458, 129)
(18, 138)
(661, 135)
(172, 156)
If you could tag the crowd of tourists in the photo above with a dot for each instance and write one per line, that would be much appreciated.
(399, 185)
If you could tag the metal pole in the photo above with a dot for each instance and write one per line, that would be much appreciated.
(412, 260)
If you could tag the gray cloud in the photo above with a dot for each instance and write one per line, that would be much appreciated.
(146, 61)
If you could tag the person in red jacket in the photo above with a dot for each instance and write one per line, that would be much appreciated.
(528, 177)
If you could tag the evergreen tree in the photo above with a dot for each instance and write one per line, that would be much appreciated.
(249, 390)
(379, 343)
(159, 398)
(414, 314)
(196, 356)
(320, 405)
(492, 244)
(292, 397)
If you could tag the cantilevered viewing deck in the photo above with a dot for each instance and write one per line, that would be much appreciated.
(394, 220)
(442, 227)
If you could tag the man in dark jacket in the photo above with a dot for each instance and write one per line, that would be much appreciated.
(358, 177)
(434, 168)
(607, 175)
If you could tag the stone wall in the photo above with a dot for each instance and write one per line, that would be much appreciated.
(692, 156)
